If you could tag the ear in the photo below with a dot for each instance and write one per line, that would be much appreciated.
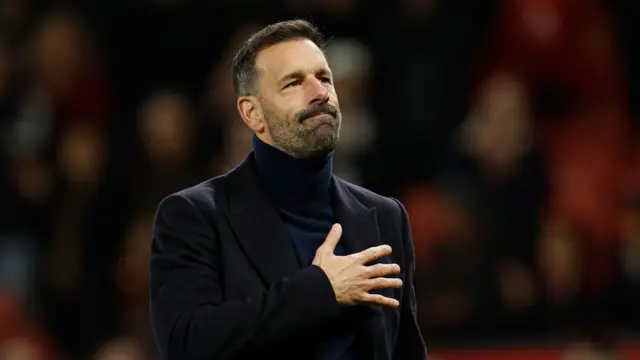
(251, 113)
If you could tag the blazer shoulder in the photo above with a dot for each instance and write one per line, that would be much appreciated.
(206, 196)
(386, 204)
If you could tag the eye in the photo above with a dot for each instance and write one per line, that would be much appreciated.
(293, 83)
(325, 79)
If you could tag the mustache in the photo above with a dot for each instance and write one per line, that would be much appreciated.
(317, 109)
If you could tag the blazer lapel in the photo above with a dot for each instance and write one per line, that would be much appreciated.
(258, 226)
(360, 232)
(359, 224)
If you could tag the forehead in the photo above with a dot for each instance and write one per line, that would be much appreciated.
(300, 55)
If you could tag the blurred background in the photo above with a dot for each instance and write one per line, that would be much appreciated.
(508, 128)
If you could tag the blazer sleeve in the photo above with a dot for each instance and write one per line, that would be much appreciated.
(410, 344)
(191, 319)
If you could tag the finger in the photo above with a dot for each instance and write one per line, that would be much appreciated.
(382, 283)
(379, 270)
(332, 239)
(377, 299)
(373, 253)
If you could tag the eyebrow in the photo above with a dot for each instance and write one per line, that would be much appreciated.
(300, 74)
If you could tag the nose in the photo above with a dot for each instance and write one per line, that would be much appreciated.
(318, 93)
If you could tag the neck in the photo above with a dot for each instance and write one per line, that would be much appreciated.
(290, 180)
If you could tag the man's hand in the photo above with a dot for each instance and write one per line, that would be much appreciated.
(351, 278)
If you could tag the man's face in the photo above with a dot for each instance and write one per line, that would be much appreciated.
(297, 99)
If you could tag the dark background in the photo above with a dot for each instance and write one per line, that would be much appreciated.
(508, 128)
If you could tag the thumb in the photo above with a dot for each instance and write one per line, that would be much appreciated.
(332, 239)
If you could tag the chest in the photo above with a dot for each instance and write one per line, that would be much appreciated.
(253, 255)
(307, 231)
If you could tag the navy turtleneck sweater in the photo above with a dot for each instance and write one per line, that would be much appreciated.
(299, 189)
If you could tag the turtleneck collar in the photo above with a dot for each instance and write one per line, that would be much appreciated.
(291, 181)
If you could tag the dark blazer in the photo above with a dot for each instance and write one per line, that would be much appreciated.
(226, 282)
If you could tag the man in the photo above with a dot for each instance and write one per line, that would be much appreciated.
(253, 263)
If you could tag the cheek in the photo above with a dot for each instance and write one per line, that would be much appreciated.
(287, 107)
(293, 114)
(333, 97)
(286, 111)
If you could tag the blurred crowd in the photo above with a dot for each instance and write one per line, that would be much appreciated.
(508, 128)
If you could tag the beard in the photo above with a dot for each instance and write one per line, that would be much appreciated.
(302, 139)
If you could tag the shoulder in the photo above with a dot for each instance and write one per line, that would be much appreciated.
(386, 207)
(213, 195)
(391, 217)
(207, 196)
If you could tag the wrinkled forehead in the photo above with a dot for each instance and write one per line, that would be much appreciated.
(294, 56)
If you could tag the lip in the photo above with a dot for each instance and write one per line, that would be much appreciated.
(321, 119)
